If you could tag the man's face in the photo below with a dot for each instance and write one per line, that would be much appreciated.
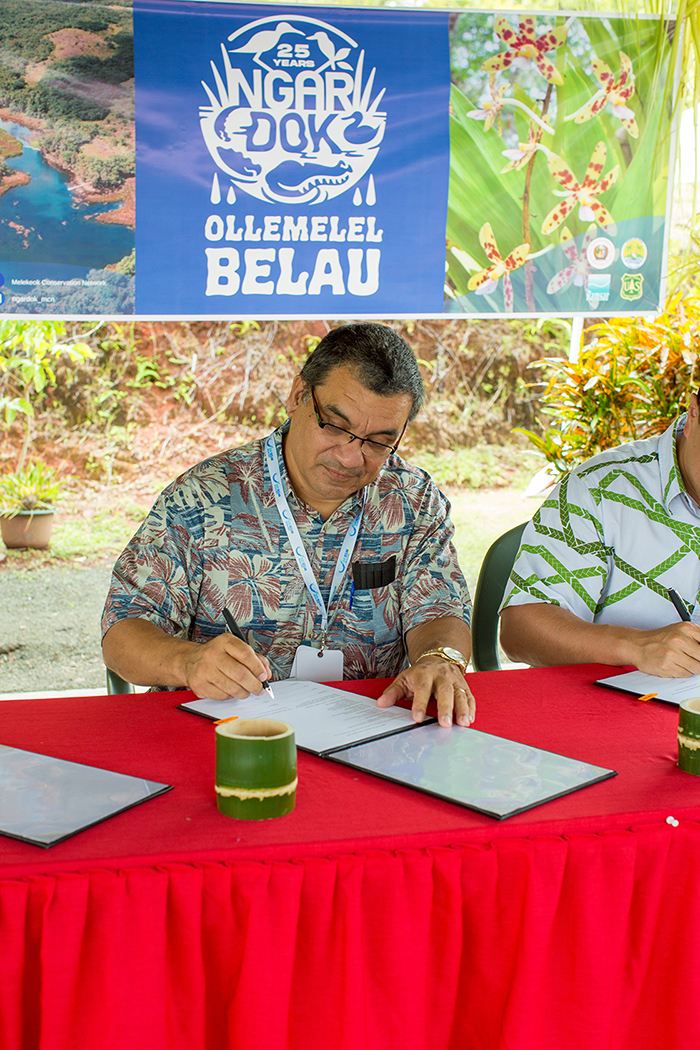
(689, 450)
(322, 471)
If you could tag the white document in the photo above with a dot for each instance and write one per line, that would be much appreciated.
(324, 718)
(672, 690)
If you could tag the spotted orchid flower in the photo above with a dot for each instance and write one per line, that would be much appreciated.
(485, 281)
(491, 107)
(577, 269)
(615, 92)
(585, 193)
(518, 158)
(523, 46)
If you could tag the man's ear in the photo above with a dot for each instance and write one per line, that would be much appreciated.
(693, 416)
(295, 394)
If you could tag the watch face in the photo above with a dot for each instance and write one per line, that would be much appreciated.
(454, 654)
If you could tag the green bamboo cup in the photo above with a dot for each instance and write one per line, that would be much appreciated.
(256, 768)
(689, 735)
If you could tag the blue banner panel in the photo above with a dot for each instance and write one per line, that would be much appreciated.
(290, 160)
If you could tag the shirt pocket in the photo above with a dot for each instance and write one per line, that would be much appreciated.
(376, 613)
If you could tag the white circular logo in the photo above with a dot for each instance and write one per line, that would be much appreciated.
(600, 253)
(634, 253)
(293, 113)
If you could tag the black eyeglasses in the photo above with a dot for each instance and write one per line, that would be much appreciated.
(370, 448)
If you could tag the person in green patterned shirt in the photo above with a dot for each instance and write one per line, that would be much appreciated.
(590, 582)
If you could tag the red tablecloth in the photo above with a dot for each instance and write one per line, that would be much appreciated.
(371, 917)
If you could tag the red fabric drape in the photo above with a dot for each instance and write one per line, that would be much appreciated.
(579, 942)
(373, 917)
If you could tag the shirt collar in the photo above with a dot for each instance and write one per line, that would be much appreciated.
(669, 469)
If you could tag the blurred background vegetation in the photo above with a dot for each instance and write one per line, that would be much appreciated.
(85, 390)
(119, 409)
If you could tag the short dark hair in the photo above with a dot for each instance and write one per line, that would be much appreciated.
(384, 361)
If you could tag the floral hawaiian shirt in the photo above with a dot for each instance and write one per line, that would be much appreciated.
(214, 538)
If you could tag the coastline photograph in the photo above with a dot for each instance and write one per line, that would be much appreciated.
(67, 157)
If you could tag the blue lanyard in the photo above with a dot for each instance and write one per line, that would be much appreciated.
(297, 543)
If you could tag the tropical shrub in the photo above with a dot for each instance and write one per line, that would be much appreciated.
(29, 353)
(630, 382)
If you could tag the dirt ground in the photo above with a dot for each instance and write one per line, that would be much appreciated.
(49, 628)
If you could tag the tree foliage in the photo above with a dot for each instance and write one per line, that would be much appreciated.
(630, 382)
(108, 172)
(28, 357)
(55, 99)
(25, 27)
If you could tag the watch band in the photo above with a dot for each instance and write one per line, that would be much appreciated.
(453, 656)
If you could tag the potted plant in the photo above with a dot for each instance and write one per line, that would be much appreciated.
(27, 502)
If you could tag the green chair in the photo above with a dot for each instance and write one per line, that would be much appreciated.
(490, 588)
(115, 684)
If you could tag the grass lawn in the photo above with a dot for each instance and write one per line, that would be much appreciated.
(480, 516)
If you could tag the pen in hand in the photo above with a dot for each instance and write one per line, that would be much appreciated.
(679, 604)
(236, 631)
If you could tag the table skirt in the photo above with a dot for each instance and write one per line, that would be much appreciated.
(577, 942)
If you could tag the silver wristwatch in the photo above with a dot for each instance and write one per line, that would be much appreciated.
(446, 652)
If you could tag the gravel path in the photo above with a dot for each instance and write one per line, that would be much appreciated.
(50, 628)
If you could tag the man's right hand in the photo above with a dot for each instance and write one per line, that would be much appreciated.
(541, 634)
(223, 667)
(669, 652)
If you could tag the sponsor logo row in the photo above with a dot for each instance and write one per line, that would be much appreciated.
(598, 286)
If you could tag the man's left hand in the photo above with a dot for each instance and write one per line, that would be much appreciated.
(433, 676)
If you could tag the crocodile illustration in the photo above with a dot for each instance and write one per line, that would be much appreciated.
(242, 165)
(294, 178)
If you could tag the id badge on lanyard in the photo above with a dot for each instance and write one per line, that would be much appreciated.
(319, 664)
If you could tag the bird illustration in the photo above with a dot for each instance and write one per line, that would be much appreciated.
(327, 48)
(264, 41)
(356, 132)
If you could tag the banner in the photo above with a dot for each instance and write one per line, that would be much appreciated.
(215, 160)
(559, 186)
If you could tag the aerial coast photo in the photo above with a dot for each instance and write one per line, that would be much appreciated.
(67, 158)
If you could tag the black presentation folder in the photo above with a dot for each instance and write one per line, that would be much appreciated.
(44, 800)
